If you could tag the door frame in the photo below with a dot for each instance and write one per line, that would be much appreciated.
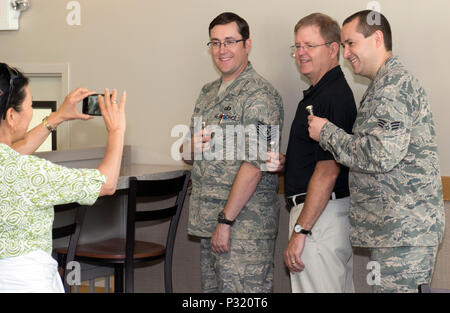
(60, 71)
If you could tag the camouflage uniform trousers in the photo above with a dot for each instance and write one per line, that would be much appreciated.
(403, 269)
(246, 268)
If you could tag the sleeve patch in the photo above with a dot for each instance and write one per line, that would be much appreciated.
(388, 126)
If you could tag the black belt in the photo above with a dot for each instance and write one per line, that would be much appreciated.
(300, 198)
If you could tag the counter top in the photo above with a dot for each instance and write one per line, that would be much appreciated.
(91, 158)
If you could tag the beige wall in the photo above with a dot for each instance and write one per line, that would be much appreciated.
(156, 51)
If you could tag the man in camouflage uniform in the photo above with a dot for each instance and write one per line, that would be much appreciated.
(396, 205)
(234, 204)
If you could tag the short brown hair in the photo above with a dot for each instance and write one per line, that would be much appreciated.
(229, 17)
(368, 28)
(329, 28)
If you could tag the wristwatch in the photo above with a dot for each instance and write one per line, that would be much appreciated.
(47, 124)
(221, 219)
(300, 230)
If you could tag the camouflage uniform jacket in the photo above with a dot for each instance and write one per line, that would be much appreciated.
(395, 185)
(249, 100)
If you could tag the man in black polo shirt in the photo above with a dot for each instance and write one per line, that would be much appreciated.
(319, 255)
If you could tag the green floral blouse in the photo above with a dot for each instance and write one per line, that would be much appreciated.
(29, 188)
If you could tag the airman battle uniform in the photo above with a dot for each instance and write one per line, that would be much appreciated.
(396, 205)
(249, 102)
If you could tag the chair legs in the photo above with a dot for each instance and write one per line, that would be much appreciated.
(61, 260)
(168, 274)
(119, 270)
(129, 277)
(118, 278)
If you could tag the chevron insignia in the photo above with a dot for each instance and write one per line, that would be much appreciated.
(386, 125)
(267, 132)
(264, 131)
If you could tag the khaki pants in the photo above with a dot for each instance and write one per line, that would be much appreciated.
(328, 255)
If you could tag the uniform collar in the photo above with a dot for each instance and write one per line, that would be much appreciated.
(245, 73)
(390, 63)
(231, 90)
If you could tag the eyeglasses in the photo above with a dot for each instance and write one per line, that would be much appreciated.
(228, 43)
(306, 47)
(13, 75)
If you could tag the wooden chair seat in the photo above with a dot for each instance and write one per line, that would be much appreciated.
(114, 249)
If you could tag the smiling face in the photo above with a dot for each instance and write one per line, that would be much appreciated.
(230, 60)
(361, 52)
(317, 60)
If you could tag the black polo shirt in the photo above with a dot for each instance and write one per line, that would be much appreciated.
(333, 99)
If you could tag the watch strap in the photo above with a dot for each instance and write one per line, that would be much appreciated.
(47, 124)
(305, 232)
(302, 230)
(221, 219)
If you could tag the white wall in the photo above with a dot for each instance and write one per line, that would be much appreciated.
(156, 50)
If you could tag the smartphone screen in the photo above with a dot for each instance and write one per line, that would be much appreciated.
(90, 105)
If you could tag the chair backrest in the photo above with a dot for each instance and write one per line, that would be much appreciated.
(155, 188)
(73, 230)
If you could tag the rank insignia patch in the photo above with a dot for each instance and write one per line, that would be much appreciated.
(388, 126)
(267, 132)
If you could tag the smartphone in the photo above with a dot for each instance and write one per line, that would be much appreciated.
(90, 105)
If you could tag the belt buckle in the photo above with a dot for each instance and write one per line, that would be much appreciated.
(333, 196)
(295, 197)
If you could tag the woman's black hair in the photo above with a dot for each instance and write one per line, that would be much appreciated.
(11, 96)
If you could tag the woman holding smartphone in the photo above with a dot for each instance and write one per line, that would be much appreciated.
(30, 186)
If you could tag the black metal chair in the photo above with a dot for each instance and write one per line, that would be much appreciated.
(123, 253)
(67, 255)
(425, 288)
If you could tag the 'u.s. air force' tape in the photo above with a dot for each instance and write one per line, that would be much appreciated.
(388, 126)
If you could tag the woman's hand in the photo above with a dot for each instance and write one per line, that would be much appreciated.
(113, 114)
(68, 110)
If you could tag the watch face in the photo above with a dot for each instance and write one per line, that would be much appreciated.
(297, 228)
